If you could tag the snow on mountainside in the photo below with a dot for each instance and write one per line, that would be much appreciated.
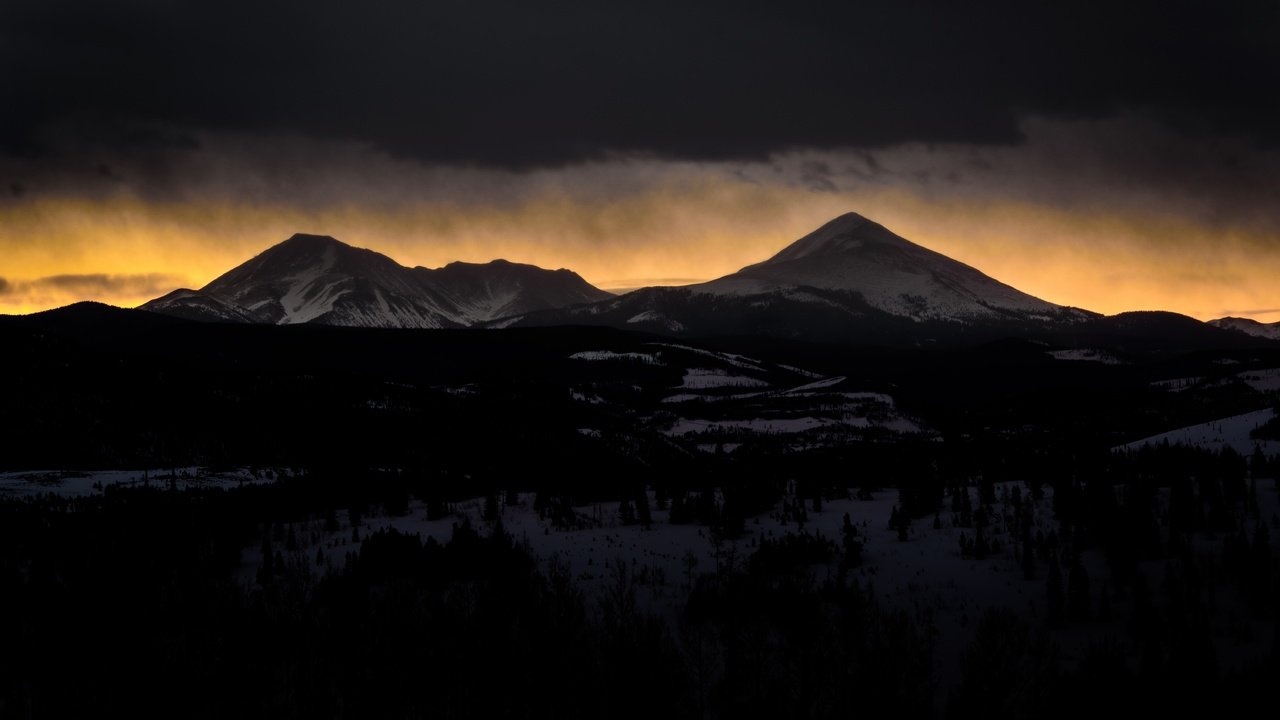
(317, 279)
(312, 278)
(498, 289)
(853, 254)
(1271, 331)
(195, 305)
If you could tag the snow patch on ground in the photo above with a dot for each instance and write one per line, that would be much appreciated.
(756, 425)
(738, 361)
(70, 483)
(824, 383)
(1086, 355)
(609, 355)
(704, 378)
(791, 425)
(1264, 381)
(657, 318)
(1177, 384)
(682, 397)
(582, 397)
(800, 371)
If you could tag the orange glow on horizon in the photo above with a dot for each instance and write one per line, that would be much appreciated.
(1105, 263)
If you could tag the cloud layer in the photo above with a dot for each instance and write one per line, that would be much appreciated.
(56, 290)
(513, 84)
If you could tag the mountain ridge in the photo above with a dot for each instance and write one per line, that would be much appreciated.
(850, 280)
(317, 279)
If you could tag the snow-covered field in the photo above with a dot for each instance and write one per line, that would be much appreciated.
(73, 483)
(704, 378)
(684, 426)
(739, 361)
(657, 318)
(1087, 355)
(609, 355)
(1264, 381)
(1178, 384)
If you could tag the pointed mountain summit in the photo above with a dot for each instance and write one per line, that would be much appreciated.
(315, 278)
(320, 280)
(852, 254)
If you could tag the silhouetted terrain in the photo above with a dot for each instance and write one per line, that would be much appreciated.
(352, 522)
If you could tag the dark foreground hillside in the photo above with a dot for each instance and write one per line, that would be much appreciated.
(583, 522)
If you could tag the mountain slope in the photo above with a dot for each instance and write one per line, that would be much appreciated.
(498, 289)
(853, 254)
(851, 279)
(195, 305)
(317, 279)
(1271, 331)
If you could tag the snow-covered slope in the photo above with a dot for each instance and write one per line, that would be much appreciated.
(1234, 432)
(317, 279)
(1271, 331)
(195, 305)
(852, 254)
(498, 289)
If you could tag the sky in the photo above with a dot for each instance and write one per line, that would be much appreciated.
(1102, 155)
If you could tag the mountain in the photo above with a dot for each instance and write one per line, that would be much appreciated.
(850, 279)
(855, 255)
(195, 305)
(317, 279)
(1271, 331)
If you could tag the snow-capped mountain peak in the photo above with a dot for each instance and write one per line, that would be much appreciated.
(319, 279)
(853, 255)
(846, 233)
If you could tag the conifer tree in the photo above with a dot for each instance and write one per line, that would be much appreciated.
(643, 513)
(1056, 599)
(1078, 591)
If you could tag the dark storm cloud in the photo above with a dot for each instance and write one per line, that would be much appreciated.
(518, 84)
